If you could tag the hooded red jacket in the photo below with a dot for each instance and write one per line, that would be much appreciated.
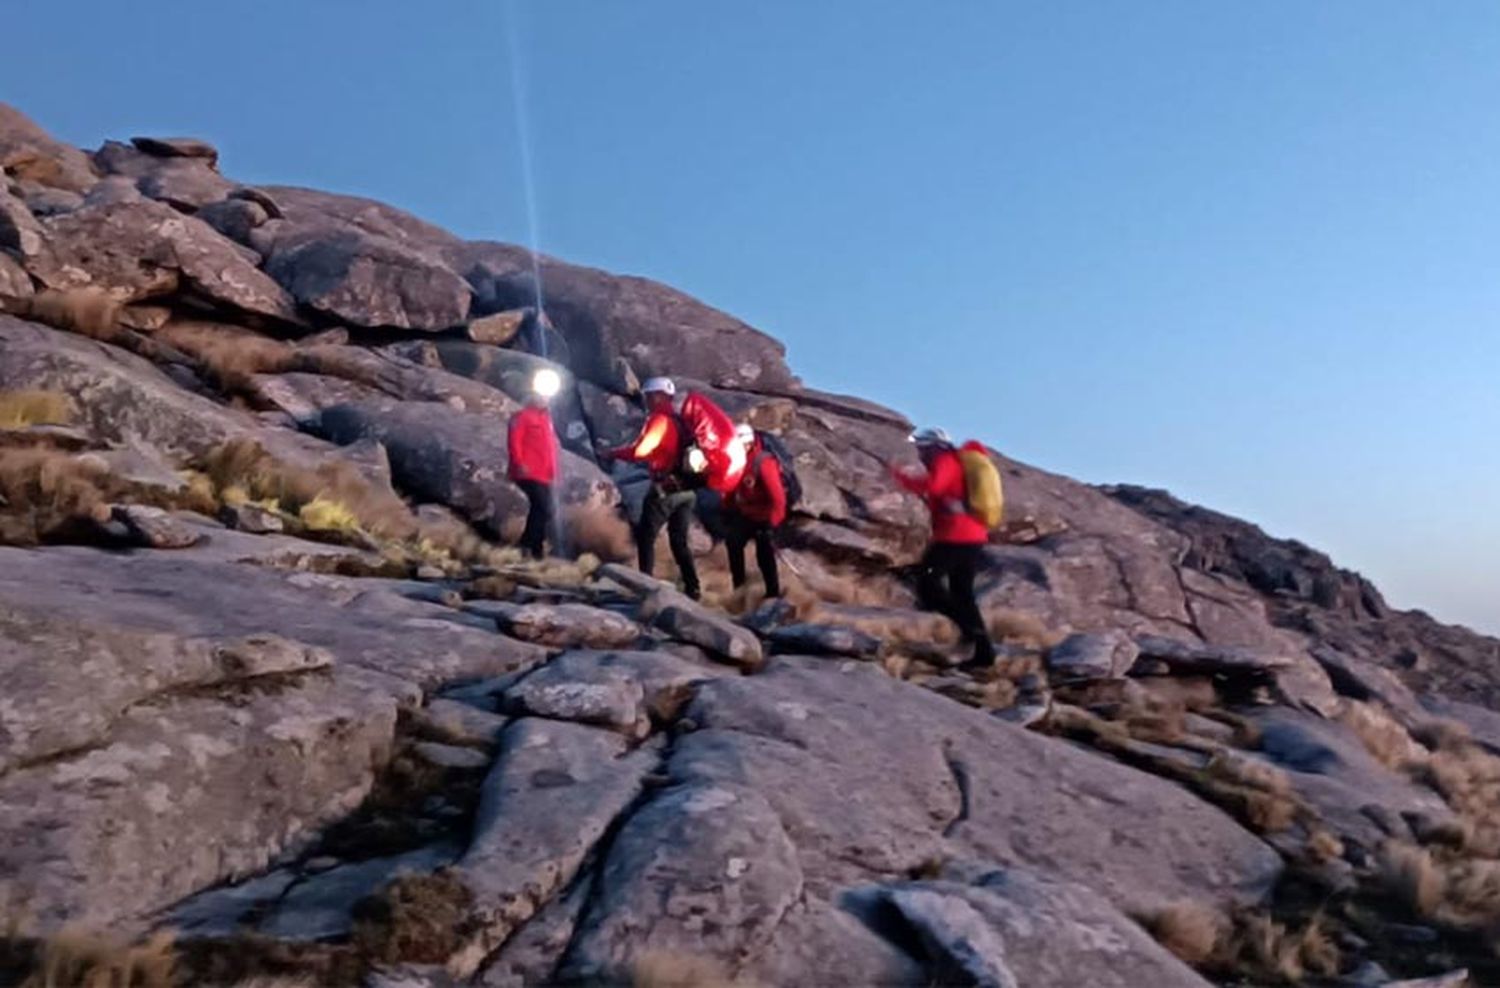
(532, 445)
(761, 494)
(942, 487)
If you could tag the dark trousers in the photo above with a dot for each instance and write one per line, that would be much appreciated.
(739, 531)
(675, 510)
(538, 517)
(946, 584)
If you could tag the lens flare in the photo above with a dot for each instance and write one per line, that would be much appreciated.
(547, 382)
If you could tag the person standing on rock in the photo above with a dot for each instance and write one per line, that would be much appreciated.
(947, 571)
(753, 511)
(660, 448)
(532, 444)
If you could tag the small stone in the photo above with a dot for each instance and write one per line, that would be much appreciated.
(496, 330)
(450, 756)
(154, 528)
(428, 572)
(323, 862)
(737, 867)
(252, 518)
(1090, 657)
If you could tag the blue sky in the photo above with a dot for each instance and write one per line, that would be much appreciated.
(1246, 252)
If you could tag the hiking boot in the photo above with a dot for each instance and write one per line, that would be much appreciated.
(983, 658)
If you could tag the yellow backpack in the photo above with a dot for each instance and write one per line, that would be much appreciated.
(983, 494)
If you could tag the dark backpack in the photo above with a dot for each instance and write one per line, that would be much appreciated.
(772, 445)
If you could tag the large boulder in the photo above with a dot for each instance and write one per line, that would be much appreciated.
(185, 182)
(455, 458)
(128, 789)
(872, 777)
(688, 621)
(392, 374)
(1011, 928)
(142, 250)
(14, 281)
(703, 868)
(124, 401)
(624, 691)
(512, 372)
(1328, 767)
(20, 230)
(1085, 657)
(402, 644)
(30, 153)
(561, 625)
(551, 797)
(361, 262)
(608, 319)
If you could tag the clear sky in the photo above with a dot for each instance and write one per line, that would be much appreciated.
(1249, 252)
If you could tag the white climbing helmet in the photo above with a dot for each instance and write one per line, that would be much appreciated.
(931, 436)
(662, 385)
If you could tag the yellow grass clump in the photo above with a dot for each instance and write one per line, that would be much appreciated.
(674, 969)
(341, 497)
(19, 409)
(75, 960)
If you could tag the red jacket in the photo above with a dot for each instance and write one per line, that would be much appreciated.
(943, 488)
(533, 446)
(760, 496)
(659, 446)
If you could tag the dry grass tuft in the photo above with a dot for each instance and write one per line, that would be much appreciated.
(1323, 846)
(416, 919)
(599, 531)
(1022, 629)
(1411, 874)
(1258, 793)
(1252, 773)
(1075, 722)
(49, 495)
(1192, 931)
(1441, 734)
(230, 356)
(1467, 776)
(807, 583)
(75, 960)
(85, 311)
(1454, 891)
(673, 969)
(1381, 735)
(511, 570)
(336, 490)
(19, 409)
(1272, 953)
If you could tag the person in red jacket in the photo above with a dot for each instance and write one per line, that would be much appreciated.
(532, 444)
(754, 510)
(948, 568)
(670, 500)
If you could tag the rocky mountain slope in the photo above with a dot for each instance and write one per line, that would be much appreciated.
(276, 702)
